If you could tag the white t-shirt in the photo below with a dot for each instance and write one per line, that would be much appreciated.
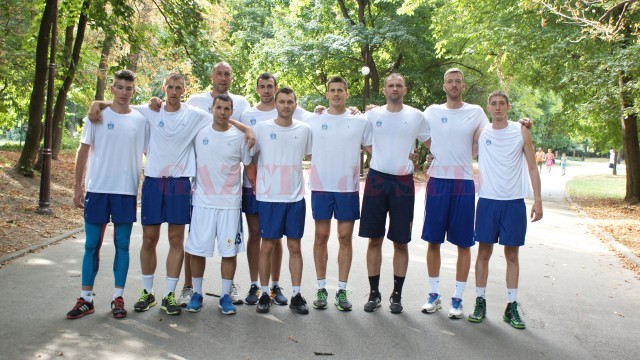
(335, 154)
(281, 150)
(393, 136)
(218, 157)
(204, 101)
(171, 152)
(452, 133)
(502, 166)
(115, 157)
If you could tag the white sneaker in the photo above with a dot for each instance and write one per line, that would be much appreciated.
(235, 295)
(185, 296)
(432, 304)
(456, 312)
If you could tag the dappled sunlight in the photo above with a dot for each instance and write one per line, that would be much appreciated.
(39, 261)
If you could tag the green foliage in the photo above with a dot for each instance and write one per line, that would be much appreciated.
(598, 186)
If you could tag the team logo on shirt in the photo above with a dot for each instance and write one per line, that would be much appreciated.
(325, 126)
(111, 126)
(444, 119)
(161, 123)
(488, 142)
(273, 136)
(252, 121)
(379, 123)
(205, 141)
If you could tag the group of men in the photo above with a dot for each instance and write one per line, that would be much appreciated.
(181, 142)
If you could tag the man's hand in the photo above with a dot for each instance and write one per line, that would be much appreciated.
(526, 122)
(249, 138)
(78, 198)
(95, 111)
(536, 211)
(413, 156)
(155, 104)
(354, 110)
(319, 109)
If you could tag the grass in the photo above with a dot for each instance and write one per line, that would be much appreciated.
(597, 186)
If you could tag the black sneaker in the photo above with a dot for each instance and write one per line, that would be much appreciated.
(145, 301)
(299, 304)
(512, 316)
(82, 308)
(395, 303)
(320, 302)
(253, 296)
(374, 301)
(117, 308)
(341, 302)
(278, 298)
(480, 310)
(264, 304)
(170, 305)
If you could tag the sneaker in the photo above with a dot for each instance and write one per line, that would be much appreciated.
(432, 304)
(82, 308)
(264, 304)
(374, 301)
(320, 302)
(226, 306)
(480, 311)
(512, 317)
(169, 305)
(234, 294)
(185, 296)
(395, 303)
(456, 312)
(195, 305)
(276, 295)
(117, 308)
(145, 301)
(299, 304)
(341, 302)
(253, 296)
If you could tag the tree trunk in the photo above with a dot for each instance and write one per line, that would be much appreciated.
(36, 104)
(107, 43)
(630, 140)
(61, 100)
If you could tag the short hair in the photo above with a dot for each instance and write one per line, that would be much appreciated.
(223, 97)
(173, 76)
(394, 75)
(124, 74)
(286, 90)
(337, 79)
(266, 76)
(221, 63)
(498, 93)
(453, 70)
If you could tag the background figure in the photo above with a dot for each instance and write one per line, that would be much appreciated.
(540, 159)
(550, 160)
(563, 163)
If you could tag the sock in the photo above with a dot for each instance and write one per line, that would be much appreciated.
(459, 289)
(197, 284)
(256, 283)
(322, 283)
(398, 282)
(87, 295)
(295, 290)
(147, 283)
(480, 292)
(374, 283)
(512, 294)
(342, 285)
(265, 290)
(275, 283)
(171, 285)
(226, 287)
(434, 284)
(118, 292)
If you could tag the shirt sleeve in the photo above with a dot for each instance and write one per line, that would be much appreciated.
(88, 132)
(367, 137)
(424, 132)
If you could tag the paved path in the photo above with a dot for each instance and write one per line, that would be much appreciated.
(579, 303)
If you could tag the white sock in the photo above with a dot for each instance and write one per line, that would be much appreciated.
(322, 283)
(434, 284)
(171, 285)
(197, 284)
(295, 290)
(147, 283)
(87, 295)
(118, 292)
(265, 289)
(226, 287)
(459, 289)
(256, 283)
(512, 294)
(481, 291)
(342, 285)
(275, 283)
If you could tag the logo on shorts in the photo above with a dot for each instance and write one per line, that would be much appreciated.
(252, 121)
(488, 142)
(238, 238)
(205, 141)
(444, 119)
(161, 123)
(111, 126)
(229, 242)
(325, 127)
(379, 123)
(273, 136)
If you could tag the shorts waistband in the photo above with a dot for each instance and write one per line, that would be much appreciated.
(390, 176)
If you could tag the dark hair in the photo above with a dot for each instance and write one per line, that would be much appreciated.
(223, 97)
(498, 93)
(124, 74)
(337, 79)
(286, 90)
(266, 76)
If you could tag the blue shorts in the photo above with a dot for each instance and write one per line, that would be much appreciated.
(503, 221)
(166, 200)
(100, 207)
(449, 209)
(344, 206)
(282, 219)
(249, 202)
(393, 194)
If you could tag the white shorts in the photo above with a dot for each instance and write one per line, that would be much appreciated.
(215, 226)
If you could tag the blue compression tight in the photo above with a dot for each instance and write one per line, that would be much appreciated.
(91, 259)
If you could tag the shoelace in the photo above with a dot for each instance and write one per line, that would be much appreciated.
(144, 296)
(322, 295)
(513, 309)
(171, 299)
(479, 310)
(342, 296)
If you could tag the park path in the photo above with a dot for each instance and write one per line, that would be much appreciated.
(579, 303)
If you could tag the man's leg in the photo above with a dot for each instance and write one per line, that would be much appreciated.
(482, 274)
(345, 256)
(197, 266)
(264, 266)
(227, 271)
(511, 314)
(253, 258)
(298, 303)
(174, 265)
(374, 262)
(148, 258)
(320, 258)
(90, 264)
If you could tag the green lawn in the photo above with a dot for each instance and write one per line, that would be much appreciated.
(599, 186)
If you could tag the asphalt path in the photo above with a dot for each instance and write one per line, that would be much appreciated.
(578, 301)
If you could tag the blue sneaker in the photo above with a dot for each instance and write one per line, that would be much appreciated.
(456, 312)
(195, 304)
(433, 304)
(226, 305)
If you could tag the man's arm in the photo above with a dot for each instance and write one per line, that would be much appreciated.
(82, 156)
(95, 110)
(249, 135)
(474, 146)
(536, 209)
(252, 174)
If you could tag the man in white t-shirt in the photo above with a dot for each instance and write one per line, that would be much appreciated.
(216, 220)
(114, 147)
(279, 186)
(335, 181)
(266, 87)
(389, 187)
(505, 153)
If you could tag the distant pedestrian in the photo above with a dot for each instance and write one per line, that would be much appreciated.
(563, 164)
(540, 159)
(550, 160)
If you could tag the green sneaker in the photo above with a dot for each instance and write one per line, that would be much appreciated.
(170, 306)
(321, 299)
(341, 302)
(512, 317)
(480, 311)
(145, 301)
